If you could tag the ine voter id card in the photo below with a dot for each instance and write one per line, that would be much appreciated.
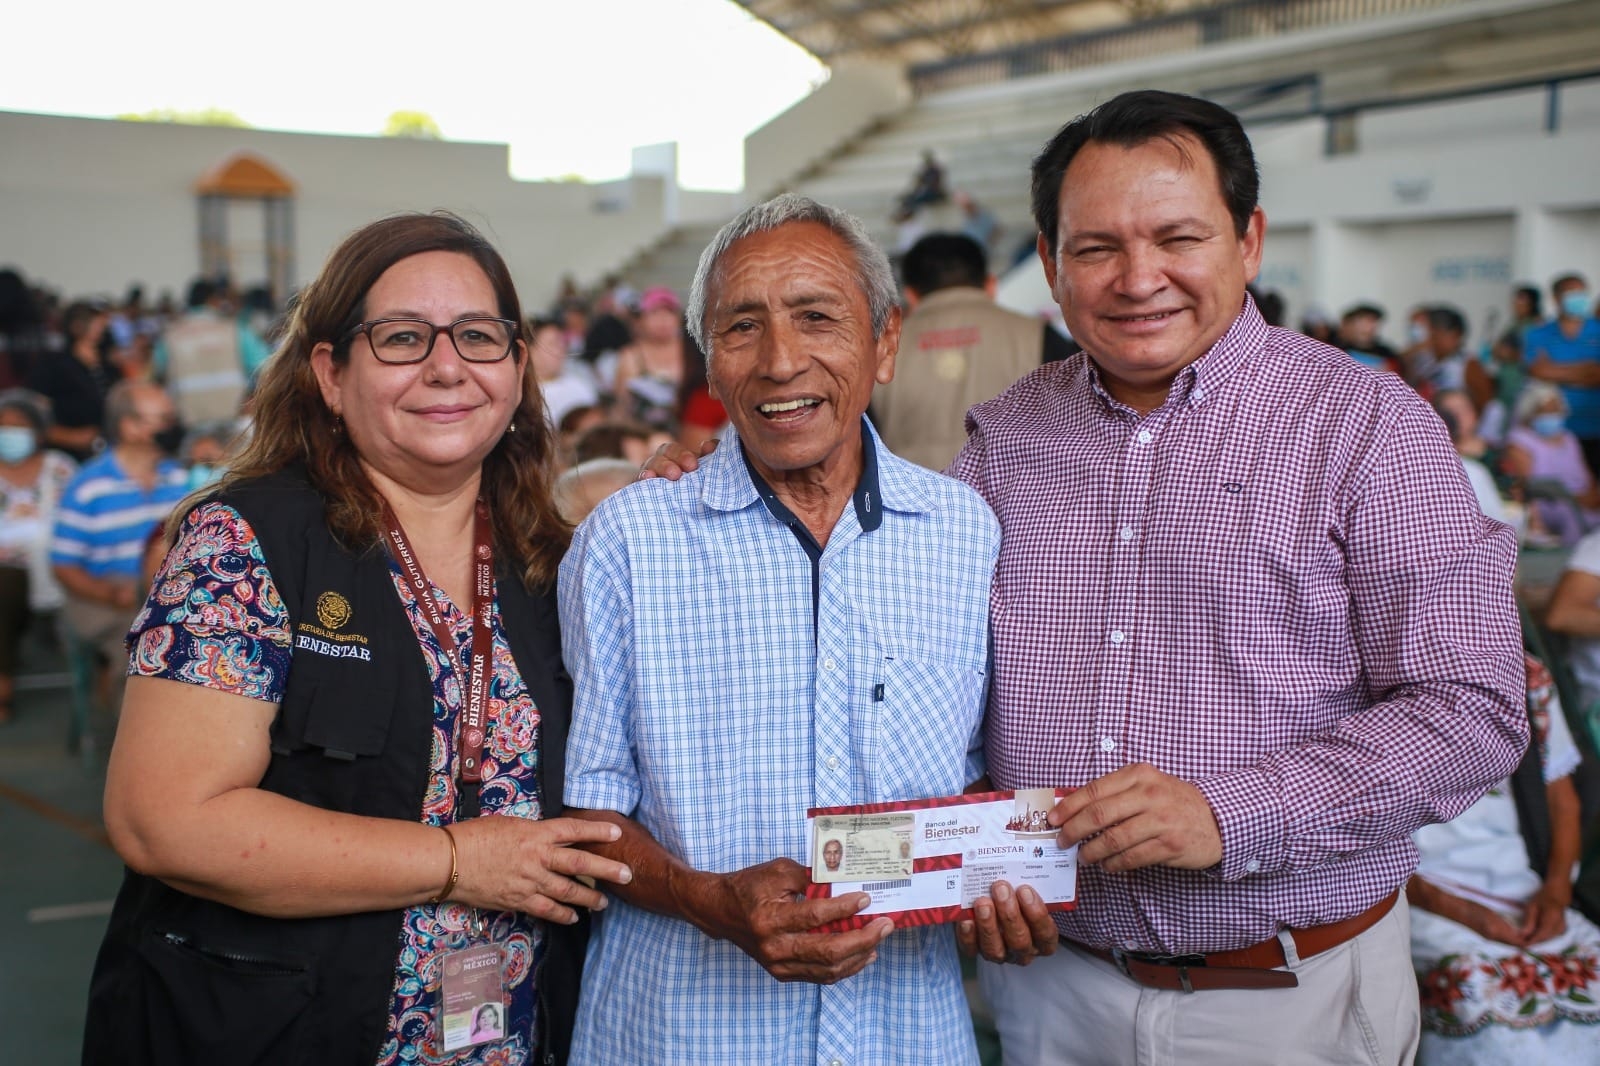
(926, 861)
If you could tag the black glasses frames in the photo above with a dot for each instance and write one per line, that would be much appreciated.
(400, 341)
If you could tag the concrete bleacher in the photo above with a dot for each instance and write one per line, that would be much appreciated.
(1316, 100)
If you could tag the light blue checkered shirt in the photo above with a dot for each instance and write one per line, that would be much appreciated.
(704, 711)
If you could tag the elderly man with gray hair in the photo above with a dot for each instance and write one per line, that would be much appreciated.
(801, 622)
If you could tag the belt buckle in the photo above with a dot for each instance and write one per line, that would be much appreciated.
(1181, 962)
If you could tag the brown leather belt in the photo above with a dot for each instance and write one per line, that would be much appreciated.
(1256, 966)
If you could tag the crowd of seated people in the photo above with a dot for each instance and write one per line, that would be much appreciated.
(110, 413)
(626, 372)
(1504, 898)
(1530, 391)
(113, 411)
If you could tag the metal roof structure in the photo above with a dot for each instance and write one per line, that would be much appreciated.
(913, 32)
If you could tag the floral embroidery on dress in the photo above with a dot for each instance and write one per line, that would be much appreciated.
(1464, 993)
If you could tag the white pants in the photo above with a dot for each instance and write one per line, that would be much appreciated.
(1356, 1003)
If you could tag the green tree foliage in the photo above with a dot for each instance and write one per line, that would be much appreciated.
(418, 125)
(206, 116)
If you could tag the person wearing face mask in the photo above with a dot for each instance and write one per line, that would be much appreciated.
(31, 481)
(1544, 454)
(1566, 351)
(106, 515)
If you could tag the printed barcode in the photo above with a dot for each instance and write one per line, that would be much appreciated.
(874, 886)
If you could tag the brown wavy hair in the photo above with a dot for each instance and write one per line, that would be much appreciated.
(293, 426)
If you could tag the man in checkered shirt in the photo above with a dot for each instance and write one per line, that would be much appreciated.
(802, 622)
(1246, 600)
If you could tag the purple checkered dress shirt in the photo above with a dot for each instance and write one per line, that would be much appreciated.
(1279, 586)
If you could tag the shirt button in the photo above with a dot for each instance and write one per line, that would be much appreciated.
(833, 762)
(835, 1062)
(1198, 394)
(828, 663)
(1144, 436)
(1118, 636)
(1127, 532)
(1130, 945)
(1108, 744)
(1252, 866)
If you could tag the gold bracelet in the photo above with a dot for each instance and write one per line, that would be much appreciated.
(455, 872)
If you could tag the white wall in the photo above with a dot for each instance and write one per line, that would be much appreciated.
(1446, 209)
(88, 205)
(856, 95)
(1286, 267)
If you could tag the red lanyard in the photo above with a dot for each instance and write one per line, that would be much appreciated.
(474, 675)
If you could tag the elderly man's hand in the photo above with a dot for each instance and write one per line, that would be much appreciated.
(759, 909)
(1138, 816)
(672, 460)
(1008, 926)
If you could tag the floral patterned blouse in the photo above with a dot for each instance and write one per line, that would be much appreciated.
(214, 618)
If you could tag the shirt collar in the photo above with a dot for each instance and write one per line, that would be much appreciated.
(730, 484)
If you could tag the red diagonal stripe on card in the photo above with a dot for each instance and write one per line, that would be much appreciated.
(937, 862)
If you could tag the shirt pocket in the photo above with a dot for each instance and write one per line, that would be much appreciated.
(928, 714)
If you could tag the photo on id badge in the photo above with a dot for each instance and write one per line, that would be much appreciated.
(862, 847)
(472, 997)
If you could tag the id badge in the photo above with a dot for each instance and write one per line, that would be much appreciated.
(472, 1001)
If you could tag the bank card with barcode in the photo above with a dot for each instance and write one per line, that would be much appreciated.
(926, 861)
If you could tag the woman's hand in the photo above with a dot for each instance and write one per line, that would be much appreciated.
(530, 866)
(1427, 896)
(1546, 914)
(1488, 923)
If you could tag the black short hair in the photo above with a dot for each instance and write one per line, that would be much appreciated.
(944, 261)
(200, 290)
(1364, 309)
(1449, 318)
(1534, 297)
(1135, 118)
(1565, 280)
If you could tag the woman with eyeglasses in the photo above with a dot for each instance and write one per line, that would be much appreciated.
(337, 775)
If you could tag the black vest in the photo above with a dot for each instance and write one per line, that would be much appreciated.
(185, 980)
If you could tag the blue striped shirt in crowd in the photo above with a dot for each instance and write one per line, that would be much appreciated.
(106, 517)
(708, 710)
